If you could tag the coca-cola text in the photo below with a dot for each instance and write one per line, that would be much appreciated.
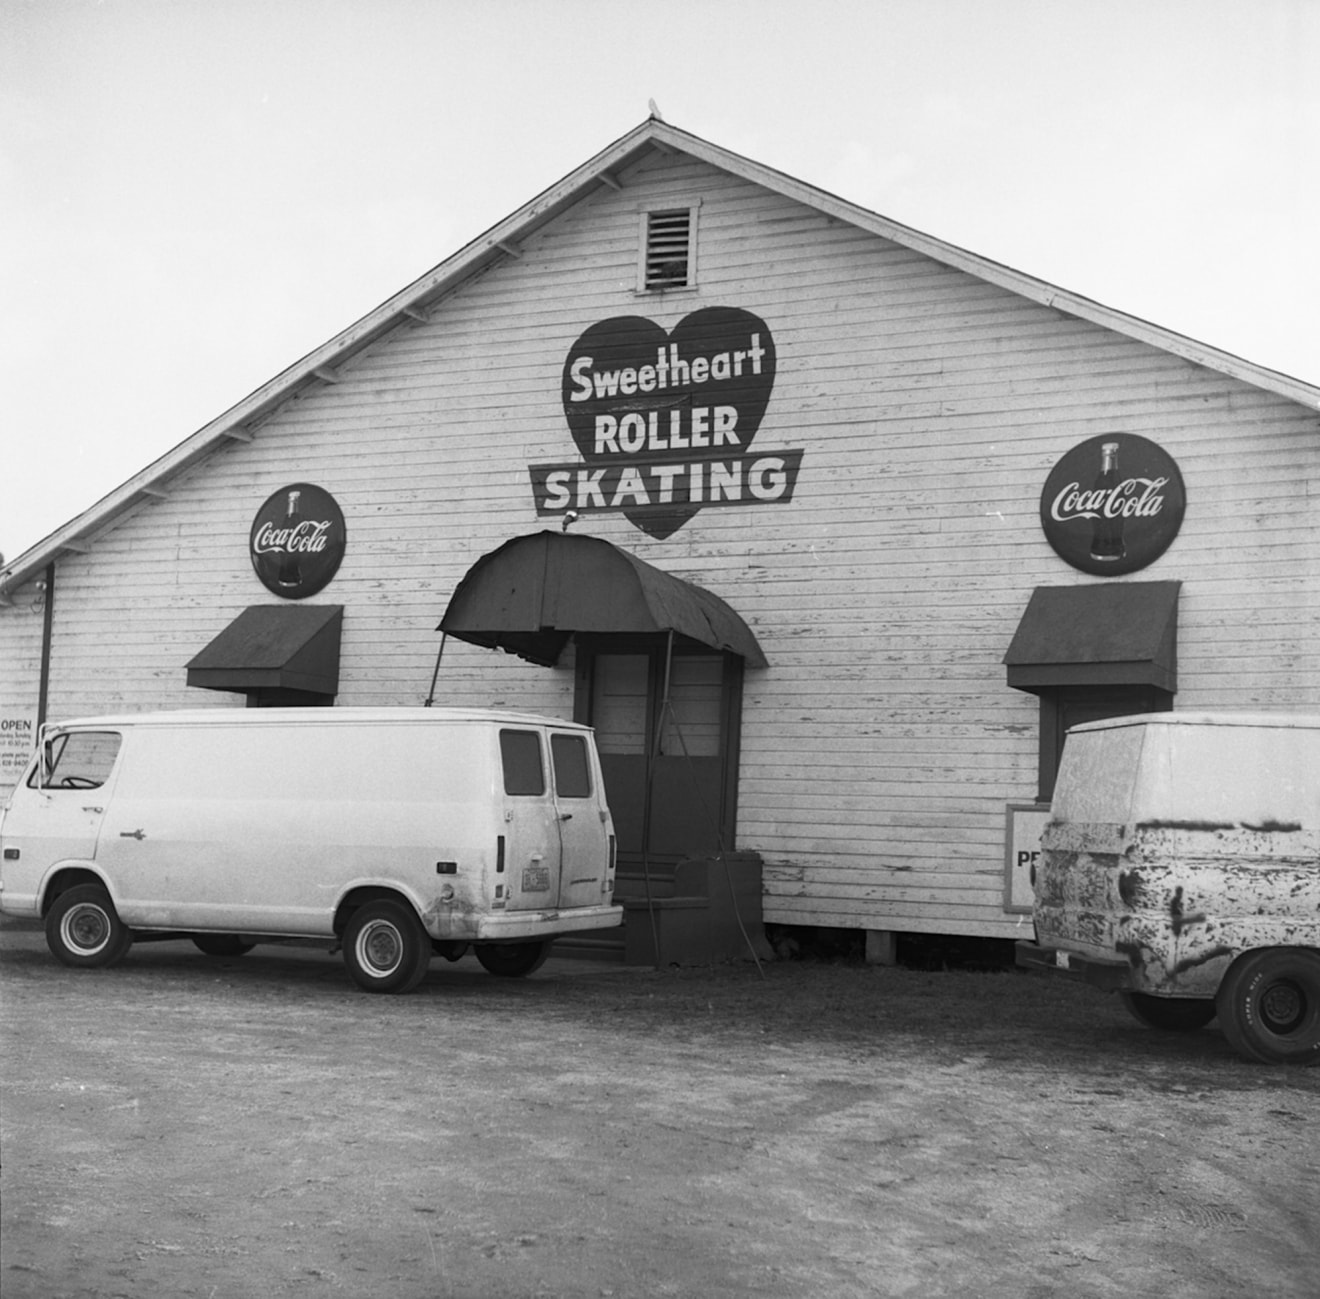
(308, 538)
(1121, 501)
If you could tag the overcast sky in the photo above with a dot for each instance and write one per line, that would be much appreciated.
(196, 193)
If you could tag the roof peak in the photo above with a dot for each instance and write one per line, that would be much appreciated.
(502, 240)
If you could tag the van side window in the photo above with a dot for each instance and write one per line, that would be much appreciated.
(572, 773)
(523, 772)
(78, 760)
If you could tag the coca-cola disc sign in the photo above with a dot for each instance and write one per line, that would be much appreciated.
(297, 540)
(1113, 504)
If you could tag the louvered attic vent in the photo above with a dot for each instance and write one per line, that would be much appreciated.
(668, 255)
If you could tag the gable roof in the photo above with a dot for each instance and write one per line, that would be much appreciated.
(501, 241)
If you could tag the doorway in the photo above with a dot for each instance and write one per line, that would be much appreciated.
(667, 714)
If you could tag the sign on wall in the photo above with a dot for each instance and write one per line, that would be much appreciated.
(664, 421)
(297, 540)
(1113, 504)
(1024, 825)
(18, 737)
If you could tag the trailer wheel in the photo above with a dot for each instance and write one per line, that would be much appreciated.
(385, 947)
(1175, 1014)
(221, 944)
(1269, 1005)
(513, 960)
(83, 929)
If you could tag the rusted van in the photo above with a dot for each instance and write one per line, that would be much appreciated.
(397, 834)
(1181, 868)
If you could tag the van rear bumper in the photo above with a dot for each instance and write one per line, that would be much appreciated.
(546, 924)
(1100, 972)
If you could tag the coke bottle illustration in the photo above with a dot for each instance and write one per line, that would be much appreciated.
(1107, 545)
(290, 570)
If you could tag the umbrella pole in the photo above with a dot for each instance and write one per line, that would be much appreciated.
(430, 699)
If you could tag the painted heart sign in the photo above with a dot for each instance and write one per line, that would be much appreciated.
(664, 421)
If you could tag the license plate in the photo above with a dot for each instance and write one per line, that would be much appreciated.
(536, 879)
(1061, 959)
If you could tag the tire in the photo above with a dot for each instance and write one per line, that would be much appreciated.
(385, 947)
(1269, 1005)
(84, 931)
(221, 944)
(513, 960)
(1174, 1014)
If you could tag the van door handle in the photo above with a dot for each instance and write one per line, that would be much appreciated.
(94, 809)
(566, 816)
(132, 834)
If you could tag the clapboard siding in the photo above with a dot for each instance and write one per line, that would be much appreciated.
(20, 680)
(880, 746)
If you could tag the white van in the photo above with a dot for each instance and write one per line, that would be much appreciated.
(1181, 867)
(397, 833)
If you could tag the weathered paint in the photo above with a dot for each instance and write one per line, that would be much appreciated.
(1178, 842)
(1178, 903)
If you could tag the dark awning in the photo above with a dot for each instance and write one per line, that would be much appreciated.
(1114, 633)
(284, 646)
(529, 596)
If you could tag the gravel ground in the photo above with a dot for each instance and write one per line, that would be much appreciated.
(191, 1126)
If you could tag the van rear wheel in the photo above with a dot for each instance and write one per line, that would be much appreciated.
(1176, 1014)
(1269, 1005)
(385, 947)
(513, 960)
(83, 928)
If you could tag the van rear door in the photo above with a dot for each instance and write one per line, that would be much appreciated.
(556, 849)
(530, 859)
(583, 827)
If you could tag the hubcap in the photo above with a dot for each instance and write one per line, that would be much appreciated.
(86, 928)
(380, 948)
(1282, 1006)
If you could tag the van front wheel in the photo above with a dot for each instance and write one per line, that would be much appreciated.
(1177, 1014)
(1269, 1005)
(385, 947)
(83, 928)
(513, 960)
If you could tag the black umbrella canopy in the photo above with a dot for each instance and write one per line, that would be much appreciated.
(530, 596)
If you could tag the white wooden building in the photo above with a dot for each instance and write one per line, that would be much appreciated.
(679, 374)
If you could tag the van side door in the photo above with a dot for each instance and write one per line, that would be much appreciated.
(210, 830)
(55, 815)
(583, 825)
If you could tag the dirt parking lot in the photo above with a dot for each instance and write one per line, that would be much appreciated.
(254, 1126)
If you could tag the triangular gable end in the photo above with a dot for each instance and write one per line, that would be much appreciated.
(414, 303)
